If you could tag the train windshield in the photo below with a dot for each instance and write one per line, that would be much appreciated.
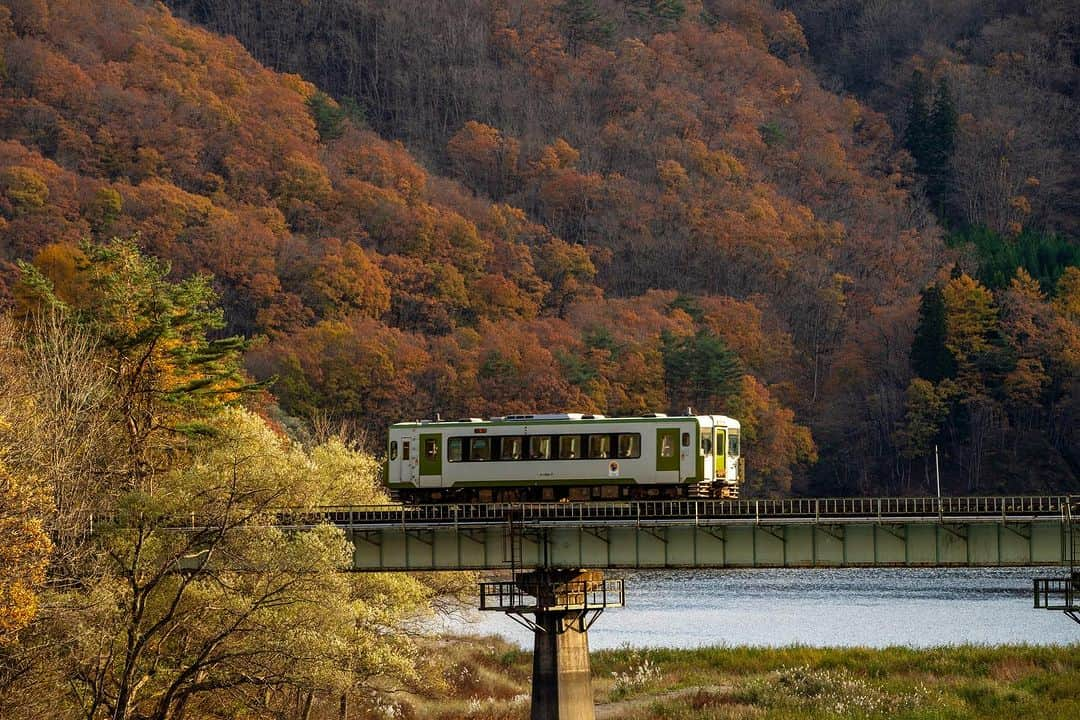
(733, 444)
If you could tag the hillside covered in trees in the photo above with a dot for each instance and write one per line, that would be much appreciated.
(231, 255)
(491, 207)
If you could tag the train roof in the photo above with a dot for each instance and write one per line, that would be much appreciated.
(561, 418)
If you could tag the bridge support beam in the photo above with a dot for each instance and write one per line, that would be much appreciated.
(559, 606)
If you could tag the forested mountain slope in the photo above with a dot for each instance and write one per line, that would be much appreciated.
(380, 292)
(649, 206)
(656, 98)
(1013, 70)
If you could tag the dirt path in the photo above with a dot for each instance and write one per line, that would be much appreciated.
(613, 710)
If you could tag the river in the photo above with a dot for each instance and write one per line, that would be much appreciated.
(874, 607)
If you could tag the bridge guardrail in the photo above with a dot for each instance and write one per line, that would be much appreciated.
(757, 511)
(761, 510)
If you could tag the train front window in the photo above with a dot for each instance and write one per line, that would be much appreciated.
(733, 444)
(569, 447)
(455, 451)
(511, 448)
(599, 446)
(393, 449)
(629, 445)
(540, 447)
(480, 449)
(706, 445)
(431, 448)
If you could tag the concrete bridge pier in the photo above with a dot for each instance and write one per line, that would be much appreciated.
(563, 605)
(562, 679)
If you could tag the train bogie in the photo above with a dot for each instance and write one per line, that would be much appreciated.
(564, 457)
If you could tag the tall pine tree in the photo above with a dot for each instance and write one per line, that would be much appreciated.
(584, 23)
(930, 359)
(930, 136)
(941, 143)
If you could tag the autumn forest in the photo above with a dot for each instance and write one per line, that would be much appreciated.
(239, 238)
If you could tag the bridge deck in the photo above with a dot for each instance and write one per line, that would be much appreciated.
(794, 532)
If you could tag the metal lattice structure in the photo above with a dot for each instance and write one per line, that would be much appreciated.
(1063, 594)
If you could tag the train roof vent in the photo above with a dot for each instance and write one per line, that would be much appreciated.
(657, 415)
(551, 416)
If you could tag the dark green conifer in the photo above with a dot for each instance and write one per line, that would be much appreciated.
(941, 142)
(930, 359)
(584, 23)
(699, 367)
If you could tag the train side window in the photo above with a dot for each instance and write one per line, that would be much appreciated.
(733, 444)
(405, 450)
(686, 439)
(667, 447)
(629, 445)
(455, 451)
(569, 447)
(511, 448)
(540, 447)
(393, 449)
(706, 445)
(480, 449)
(599, 446)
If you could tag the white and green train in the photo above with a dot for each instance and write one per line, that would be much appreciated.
(568, 456)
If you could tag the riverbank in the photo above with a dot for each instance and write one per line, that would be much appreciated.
(488, 679)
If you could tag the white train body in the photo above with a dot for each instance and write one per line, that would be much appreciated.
(565, 456)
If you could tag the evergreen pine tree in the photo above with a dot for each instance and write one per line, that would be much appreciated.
(941, 141)
(930, 136)
(918, 120)
(699, 368)
(930, 359)
(584, 23)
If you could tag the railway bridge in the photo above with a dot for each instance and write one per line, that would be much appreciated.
(554, 554)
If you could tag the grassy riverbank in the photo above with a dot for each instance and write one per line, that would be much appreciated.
(489, 680)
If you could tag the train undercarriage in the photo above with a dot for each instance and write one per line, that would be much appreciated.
(558, 493)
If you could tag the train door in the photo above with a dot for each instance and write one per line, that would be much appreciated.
(409, 466)
(667, 451)
(706, 455)
(735, 468)
(720, 446)
(393, 464)
(430, 459)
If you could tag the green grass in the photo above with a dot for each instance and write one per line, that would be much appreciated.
(947, 683)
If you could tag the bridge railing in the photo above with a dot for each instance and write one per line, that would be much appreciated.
(762, 510)
(510, 596)
(1057, 593)
(758, 511)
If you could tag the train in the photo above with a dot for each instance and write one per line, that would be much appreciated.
(569, 457)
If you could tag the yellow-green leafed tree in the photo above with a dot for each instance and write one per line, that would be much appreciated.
(213, 601)
(24, 550)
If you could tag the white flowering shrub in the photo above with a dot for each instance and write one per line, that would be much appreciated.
(834, 692)
(639, 673)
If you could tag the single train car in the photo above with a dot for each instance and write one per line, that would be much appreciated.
(575, 457)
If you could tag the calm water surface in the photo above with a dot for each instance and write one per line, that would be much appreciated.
(841, 607)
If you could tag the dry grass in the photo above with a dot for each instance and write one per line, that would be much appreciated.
(489, 679)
